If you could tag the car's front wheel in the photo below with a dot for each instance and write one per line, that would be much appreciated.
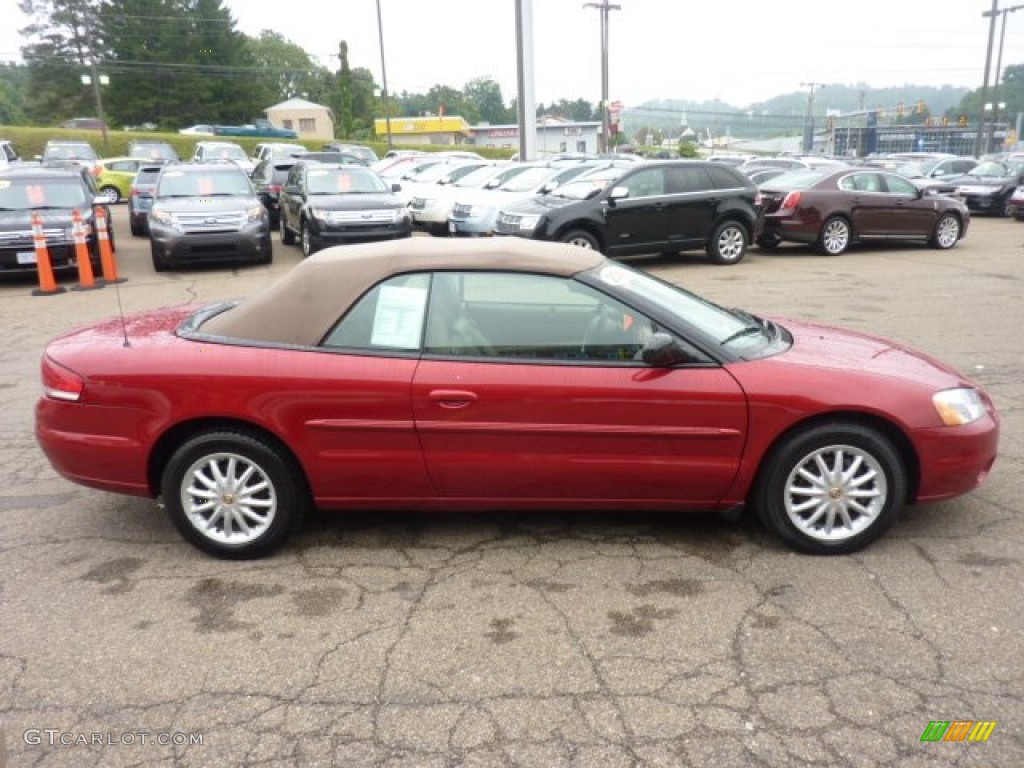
(728, 243)
(835, 236)
(110, 194)
(309, 242)
(159, 263)
(581, 239)
(287, 236)
(831, 489)
(946, 232)
(232, 494)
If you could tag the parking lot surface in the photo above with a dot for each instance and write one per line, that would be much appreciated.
(541, 639)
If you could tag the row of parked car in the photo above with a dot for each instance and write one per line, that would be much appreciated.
(224, 204)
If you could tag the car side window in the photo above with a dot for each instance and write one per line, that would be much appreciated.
(388, 318)
(687, 178)
(524, 317)
(645, 183)
(900, 186)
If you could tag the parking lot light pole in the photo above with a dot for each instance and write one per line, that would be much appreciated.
(384, 77)
(1004, 12)
(604, 7)
(808, 142)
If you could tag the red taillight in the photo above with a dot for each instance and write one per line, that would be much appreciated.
(60, 383)
(790, 202)
(273, 187)
(135, 192)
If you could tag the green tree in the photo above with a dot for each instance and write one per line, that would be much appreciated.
(343, 111)
(64, 43)
(483, 103)
(284, 69)
(13, 92)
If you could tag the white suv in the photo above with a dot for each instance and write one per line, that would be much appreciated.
(211, 151)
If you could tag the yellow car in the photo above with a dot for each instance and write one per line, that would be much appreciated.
(116, 176)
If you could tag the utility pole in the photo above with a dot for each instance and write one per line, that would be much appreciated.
(984, 85)
(604, 7)
(809, 119)
(525, 102)
(999, 68)
(384, 76)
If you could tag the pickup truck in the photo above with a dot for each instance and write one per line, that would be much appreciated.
(259, 129)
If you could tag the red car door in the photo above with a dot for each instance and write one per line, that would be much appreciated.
(492, 430)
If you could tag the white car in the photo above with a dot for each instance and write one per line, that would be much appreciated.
(198, 130)
(421, 182)
(207, 151)
(431, 208)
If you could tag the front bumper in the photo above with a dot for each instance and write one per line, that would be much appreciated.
(955, 460)
(325, 235)
(251, 243)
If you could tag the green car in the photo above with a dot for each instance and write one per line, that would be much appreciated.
(116, 176)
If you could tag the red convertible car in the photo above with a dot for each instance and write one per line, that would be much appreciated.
(503, 374)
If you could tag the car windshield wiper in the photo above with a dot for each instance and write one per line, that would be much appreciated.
(753, 325)
(747, 330)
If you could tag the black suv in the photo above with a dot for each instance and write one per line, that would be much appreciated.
(207, 212)
(653, 207)
(54, 193)
(268, 178)
(330, 204)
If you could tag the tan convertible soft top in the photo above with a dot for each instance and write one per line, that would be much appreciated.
(304, 304)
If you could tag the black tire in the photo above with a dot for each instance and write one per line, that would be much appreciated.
(254, 484)
(728, 243)
(835, 236)
(287, 236)
(946, 232)
(137, 229)
(438, 230)
(1005, 210)
(871, 465)
(581, 239)
(308, 242)
(769, 242)
(159, 265)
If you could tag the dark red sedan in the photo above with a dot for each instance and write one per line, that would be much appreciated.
(503, 374)
(835, 209)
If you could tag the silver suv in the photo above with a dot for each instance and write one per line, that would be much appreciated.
(207, 212)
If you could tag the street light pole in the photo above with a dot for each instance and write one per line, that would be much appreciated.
(984, 85)
(384, 76)
(808, 142)
(604, 7)
(999, 68)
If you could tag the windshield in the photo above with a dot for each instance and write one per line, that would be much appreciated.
(912, 170)
(992, 168)
(708, 318)
(25, 194)
(208, 183)
(581, 188)
(153, 152)
(337, 181)
(528, 179)
(69, 152)
(481, 176)
(430, 173)
(229, 152)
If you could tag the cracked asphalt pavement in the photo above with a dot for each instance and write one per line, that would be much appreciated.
(540, 639)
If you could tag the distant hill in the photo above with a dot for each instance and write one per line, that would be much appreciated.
(784, 114)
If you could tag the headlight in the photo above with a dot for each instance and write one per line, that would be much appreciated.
(162, 217)
(255, 212)
(957, 407)
(529, 222)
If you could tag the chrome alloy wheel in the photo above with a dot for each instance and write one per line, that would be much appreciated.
(836, 237)
(947, 232)
(835, 492)
(227, 498)
(731, 244)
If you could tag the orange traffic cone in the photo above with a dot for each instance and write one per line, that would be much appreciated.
(86, 278)
(108, 259)
(47, 283)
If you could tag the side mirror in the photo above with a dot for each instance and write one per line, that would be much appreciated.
(549, 187)
(663, 351)
(618, 193)
(396, 187)
(493, 183)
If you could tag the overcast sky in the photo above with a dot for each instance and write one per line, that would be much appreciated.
(741, 51)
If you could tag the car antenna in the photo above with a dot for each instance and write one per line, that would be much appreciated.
(120, 314)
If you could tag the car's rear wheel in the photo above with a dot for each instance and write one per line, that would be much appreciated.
(287, 236)
(581, 239)
(309, 243)
(110, 194)
(835, 236)
(728, 243)
(946, 232)
(831, 489)
(1005, 209)
(232, 494)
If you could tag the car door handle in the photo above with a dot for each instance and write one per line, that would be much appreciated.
(453, 398)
